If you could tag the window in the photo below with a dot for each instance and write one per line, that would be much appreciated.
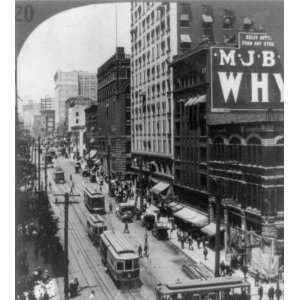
(77, 114)
(185, 41)
(229, 19)
(247, 23)
(184, 20)
(77, 121)
(120, 266)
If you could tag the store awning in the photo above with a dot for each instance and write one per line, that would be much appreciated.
(210, 229)
(191, 216)
(207, 18)
(200, 220)
(196, 100)
(93, 153)
(186, 214)
(175, 206)
(185, 38)
(159, 187)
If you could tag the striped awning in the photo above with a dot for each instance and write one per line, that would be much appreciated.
(159, 188)
(207, 18)
(196, 100)
(185, 38)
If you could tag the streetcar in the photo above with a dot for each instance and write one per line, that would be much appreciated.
(95, 226)
(59, 175)
(120, 259)
(94, 200)
(221, 288)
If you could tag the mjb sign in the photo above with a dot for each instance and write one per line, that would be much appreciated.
(249, 77)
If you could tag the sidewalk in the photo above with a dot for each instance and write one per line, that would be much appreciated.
(34, 262)
(198, 257)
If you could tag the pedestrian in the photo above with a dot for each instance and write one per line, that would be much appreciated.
(76, 284)
(126, 229)
(271, 293)
(182, 242)
(278, 293)
(198, 239)
(260, 292)
(256, 278)
(205, 252)
(190, 240)
(140, 251)
(92, 295)
(46, 296)
(146, 249)
(110, 208)
(178, 235)
(50, 186)
(146, 237)
(222, 267)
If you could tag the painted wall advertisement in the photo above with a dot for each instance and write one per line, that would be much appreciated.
(247, 77)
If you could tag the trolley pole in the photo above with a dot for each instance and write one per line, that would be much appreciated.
(66, 238)
(39, 164)
(217, 241)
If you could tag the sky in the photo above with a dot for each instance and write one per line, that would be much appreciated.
(78, 39)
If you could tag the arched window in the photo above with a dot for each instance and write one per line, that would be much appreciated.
(235, 150)
(218, 149)
(254, 151)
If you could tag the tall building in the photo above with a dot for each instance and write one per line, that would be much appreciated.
(229, 137)
(90, 134)
(87, 85)
(75, 122)
(47, 110)
(72, 84)
(29, 110)
(113, 120)
(158, 32)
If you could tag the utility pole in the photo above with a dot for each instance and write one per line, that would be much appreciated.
(66, 238)
(39, 163)
(217, 237)
(45, 169)
(108, 164)
(141, 183)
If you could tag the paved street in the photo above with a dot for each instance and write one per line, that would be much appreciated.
(85, 263)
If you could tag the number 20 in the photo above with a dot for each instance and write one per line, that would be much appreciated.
(24, 13)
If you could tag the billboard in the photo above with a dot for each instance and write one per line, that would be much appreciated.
(247, 77)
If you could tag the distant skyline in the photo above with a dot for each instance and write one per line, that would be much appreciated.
(78, 39)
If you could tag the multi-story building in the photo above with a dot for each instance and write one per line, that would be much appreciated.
(75, 122)
(72, 84)
(29, 110)
(90, 135)
(47, 110)
(87, 85)
(113, 120)
(230, 145)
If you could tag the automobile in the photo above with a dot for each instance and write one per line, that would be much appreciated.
(160, 230)
(126, 211)
(148, 220)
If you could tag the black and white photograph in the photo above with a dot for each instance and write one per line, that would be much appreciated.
(149, 150)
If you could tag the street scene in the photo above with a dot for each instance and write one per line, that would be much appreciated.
(149, 155)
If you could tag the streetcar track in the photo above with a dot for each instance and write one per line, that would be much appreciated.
(86, 256)
(127, 293)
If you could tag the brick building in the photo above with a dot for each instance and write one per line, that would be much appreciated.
(232, 154)
(158, 32)
(113, 116)
(90, 135)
